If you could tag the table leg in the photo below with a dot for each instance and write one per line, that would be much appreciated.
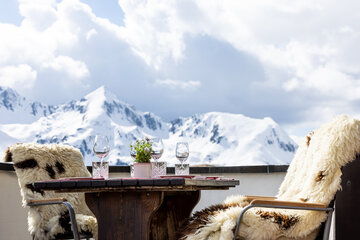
(172, 214)
(133, 213)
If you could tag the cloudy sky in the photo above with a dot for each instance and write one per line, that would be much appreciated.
(297, 61)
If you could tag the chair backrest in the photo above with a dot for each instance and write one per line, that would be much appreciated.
(315, 172)
(314, 176)
(37, 162)
(347, 202)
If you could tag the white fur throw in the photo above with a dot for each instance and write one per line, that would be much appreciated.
(314, 176)
(36, 162)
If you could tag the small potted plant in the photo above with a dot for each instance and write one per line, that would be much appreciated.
(142, 165)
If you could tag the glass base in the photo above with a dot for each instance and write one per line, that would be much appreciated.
(158, 169)
(100, 170)
(182, 169)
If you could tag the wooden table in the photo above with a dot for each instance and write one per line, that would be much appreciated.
(150, 209)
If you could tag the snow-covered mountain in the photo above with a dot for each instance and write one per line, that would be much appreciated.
(214, 138)
(233, 139)
(14, 108)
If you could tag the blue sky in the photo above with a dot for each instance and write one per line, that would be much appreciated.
(297, 62)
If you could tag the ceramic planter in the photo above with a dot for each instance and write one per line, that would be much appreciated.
(142, 170)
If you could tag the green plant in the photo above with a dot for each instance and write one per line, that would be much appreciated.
(143, 149)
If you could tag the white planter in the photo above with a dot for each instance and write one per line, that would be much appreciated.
(142, 170)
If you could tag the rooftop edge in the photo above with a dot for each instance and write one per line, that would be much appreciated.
(193, 170)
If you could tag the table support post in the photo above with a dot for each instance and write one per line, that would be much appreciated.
(172, 214)
(134, 211)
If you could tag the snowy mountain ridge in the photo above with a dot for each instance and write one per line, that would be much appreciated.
(214, 138)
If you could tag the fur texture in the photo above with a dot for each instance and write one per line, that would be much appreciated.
(313, 176)
(36, 162)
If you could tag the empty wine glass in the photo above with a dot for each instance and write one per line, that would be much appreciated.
(157, 147)
(133, 150)
(182, 152)
(133, 156)
(101, 149)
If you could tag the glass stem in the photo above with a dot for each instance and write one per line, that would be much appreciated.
(101, 166)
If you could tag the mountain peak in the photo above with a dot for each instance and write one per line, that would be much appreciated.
(101, 94)
(10, 99)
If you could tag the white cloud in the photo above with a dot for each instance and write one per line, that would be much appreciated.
(176, 84)
(18, 77)
(305, 47)
(47, 37)
(291, 84)
(75, 69)
(297, 37)
(91, 33)
(38, 14)
(154, 30)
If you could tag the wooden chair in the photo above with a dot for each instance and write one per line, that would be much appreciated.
(52, 215)
(305, 197)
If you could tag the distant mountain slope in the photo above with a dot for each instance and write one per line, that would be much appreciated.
(214, 138)
(233, 139)
(16, 109)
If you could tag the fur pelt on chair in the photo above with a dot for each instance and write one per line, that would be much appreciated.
(37, 162)
(314, 176)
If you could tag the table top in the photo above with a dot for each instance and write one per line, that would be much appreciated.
(132, 184)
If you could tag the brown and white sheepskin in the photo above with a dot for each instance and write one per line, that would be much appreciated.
(314, 176)
(37, 162)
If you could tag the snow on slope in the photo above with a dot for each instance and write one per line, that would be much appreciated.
(16, 109)
(214, 138)
(232, 140)
(5, 141)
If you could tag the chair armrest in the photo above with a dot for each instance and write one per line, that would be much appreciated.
(250, 198)
(52, 201)
(46, 201)
(286, 203)
(268, 203)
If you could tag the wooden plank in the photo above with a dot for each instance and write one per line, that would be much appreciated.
(145, 182)
(129, 182)
(214, 183)
(287, 203)
(133, 213)
(98, 183)
(53, 184)
(39, 185)
(114, 183)
(250, 198)
(177, 181)
(161, 182)
(83, 184)
(48, 200)
(67, 184)
(172, 214)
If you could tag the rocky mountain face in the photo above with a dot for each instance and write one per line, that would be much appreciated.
(214, 138)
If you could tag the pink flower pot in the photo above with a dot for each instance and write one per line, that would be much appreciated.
(142, 170)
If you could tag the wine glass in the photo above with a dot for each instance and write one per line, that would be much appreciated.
(157, 147)
(133, 156)
(133, 150)
(101, 149)
(182, 152)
